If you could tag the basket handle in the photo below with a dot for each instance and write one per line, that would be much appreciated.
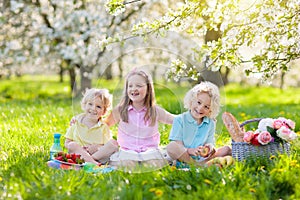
(250, 121)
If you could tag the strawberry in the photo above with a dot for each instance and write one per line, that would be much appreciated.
(79, 161)
(68, 156)
(73, 156)
(60, 158)
(58, 154)
(65, 157)
(71, 161)
(78, 156)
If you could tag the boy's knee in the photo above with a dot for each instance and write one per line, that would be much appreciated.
(227, 150)
(171, 146)
(113, 142)
(175, 150)
(72, 146)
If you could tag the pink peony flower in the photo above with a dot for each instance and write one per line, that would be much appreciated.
(286, 134)
(278, 123)
(264, 137)
(264, 123)
(293, 135)
(248, 136)
(291, 123)
(285, 122)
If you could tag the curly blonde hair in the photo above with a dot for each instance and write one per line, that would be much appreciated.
(204, 87)
(103, 94)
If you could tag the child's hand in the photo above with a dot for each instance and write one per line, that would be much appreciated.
(212, 149)
(204, 151)
(91, 149)
(194, 151)
(73, 121)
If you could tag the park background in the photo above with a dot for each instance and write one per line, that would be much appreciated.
(52, 50)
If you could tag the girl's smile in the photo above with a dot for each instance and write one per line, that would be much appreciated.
(137, 89)
(135, 93)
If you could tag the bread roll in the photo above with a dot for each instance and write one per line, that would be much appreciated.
(233, 127)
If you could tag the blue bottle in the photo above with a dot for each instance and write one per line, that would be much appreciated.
(55, 148)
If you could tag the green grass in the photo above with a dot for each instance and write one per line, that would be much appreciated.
(33, 108)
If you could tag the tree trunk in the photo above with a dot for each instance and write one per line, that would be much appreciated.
(282, 80)
(108, 73)
(212, 35)
(73, 86)
(225, 75)
(120, 65)
(85, 79)
(61, 74)
(154, 73)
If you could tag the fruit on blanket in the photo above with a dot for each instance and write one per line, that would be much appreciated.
(221, 161)
(216, 162)
(60, 153)
(218, 165)
(70, 158)
(71, 161)
(60, 158)
(204, 151)
(229, 160)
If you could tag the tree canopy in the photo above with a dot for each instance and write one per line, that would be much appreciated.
(51, 35)
(262, 37)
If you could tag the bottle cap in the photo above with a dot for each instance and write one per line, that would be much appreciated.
(57, 135)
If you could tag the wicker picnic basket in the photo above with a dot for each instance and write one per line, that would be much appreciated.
(243, 150)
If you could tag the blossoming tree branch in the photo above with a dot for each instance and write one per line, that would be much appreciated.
(269, 29)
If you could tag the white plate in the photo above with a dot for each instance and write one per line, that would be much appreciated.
(67, 163)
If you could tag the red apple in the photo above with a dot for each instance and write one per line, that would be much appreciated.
(204, 151)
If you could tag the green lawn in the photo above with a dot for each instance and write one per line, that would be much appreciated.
(33, 108)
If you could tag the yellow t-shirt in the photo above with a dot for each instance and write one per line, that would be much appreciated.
(80, 133)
